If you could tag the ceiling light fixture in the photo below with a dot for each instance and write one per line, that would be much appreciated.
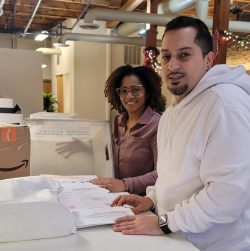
(42, 36)
(142, 32)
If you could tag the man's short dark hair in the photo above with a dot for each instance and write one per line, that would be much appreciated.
(203, 37)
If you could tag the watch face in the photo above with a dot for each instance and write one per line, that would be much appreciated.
(162, 219)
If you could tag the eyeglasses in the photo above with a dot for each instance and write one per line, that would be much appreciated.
(135, 90)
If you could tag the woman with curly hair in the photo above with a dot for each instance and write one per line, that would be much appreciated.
(135, 92)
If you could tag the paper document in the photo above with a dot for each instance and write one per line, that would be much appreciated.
(99, 216)
(85, 196)
(89, 202)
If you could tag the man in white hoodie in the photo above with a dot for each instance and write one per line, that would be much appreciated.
(203, 185)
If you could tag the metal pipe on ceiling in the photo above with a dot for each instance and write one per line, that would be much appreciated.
(122, 16)
(177, 6)
(31, 17)
(49, 51)
(168, 8)
(157, 19)
(103, 39)
(124, 29)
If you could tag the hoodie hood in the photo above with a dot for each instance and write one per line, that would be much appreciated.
(220, 74)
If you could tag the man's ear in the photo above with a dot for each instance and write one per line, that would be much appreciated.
(209, 59)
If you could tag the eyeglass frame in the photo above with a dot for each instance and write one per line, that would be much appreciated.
(129, 90)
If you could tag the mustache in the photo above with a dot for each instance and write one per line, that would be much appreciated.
(173, 74)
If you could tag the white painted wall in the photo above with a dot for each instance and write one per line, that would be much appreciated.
(7, 41)
(64, 65)
(85, 67)
(27, 43)
(21, 79)
(31, 44)
(92, 67)
(90, 75)
(117, 49)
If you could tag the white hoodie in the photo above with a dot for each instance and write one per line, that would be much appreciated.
(204, 162)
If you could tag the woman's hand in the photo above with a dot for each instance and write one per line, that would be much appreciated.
(113, 185)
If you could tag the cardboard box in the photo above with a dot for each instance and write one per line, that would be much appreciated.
(14, 151)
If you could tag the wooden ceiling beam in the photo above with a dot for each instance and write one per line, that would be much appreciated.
(44, 16)
(130, 5)
(54, 13)
(73, 8)
(94, 2)
(73, 4)
(62, 4)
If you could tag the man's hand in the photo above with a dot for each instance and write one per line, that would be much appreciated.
(113, 185)
(139, 224)
(139, 203)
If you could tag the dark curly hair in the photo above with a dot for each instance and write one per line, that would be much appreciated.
(148, 78)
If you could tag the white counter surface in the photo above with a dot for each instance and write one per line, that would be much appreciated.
(103, 239)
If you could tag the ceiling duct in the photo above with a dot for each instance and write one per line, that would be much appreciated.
(177, 6)
(156, 19)
(124, 29)
(167, 8)
(103, 39)
(122, 16)
(49, 51)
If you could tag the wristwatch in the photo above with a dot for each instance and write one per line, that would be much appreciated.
(163, 223)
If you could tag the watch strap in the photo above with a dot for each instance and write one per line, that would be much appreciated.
(165, 229)
(163, 223)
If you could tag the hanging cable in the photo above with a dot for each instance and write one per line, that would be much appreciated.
(82, 13)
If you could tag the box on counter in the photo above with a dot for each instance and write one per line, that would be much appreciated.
(14, 151)
(70, 147)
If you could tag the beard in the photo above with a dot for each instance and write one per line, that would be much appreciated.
(179, 90)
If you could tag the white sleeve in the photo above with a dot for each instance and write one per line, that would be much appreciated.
(150, 193)
(225, 173)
